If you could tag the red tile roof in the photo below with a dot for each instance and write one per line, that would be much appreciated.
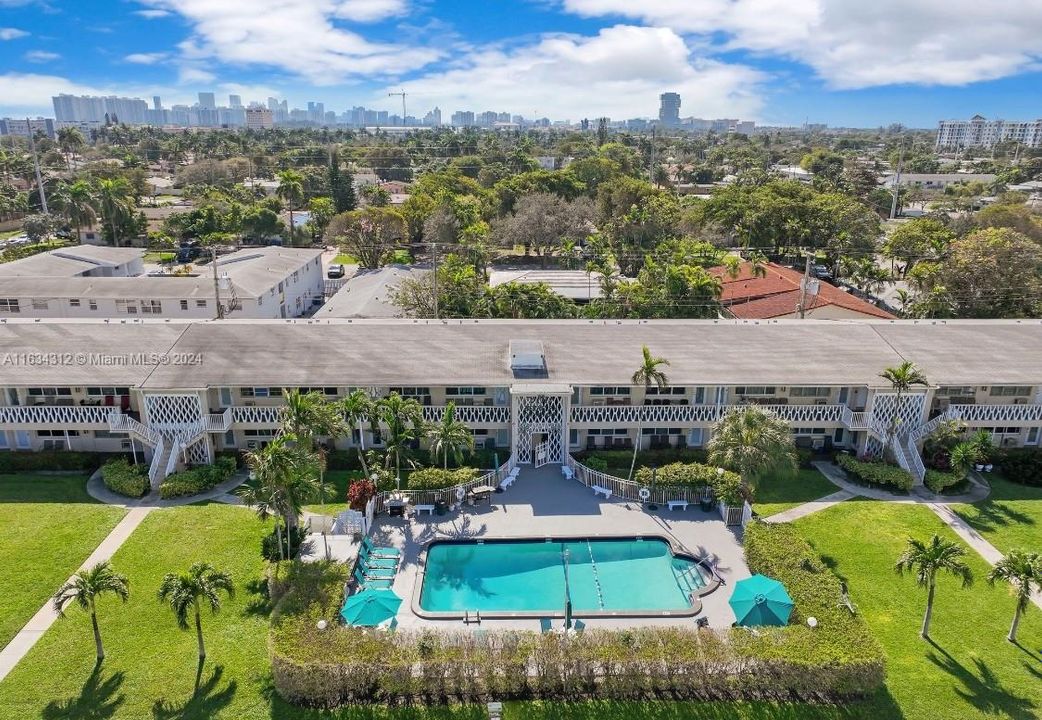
(778, 293)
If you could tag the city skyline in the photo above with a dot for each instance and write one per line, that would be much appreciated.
(809, 60)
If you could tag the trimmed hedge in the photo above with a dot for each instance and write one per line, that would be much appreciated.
(198, 479)
(125, 479)
(339, 666)
(52, 460)
(659, 456)
(875, 472)
(726, 487)
(437, 479)
(939, 481)
(1021, 465)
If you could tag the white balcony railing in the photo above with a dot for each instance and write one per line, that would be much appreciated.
(686, 414)
(998, 413)
(127, 424)
(219, 422)
(57, 414)
(259, 415)
(471, 414)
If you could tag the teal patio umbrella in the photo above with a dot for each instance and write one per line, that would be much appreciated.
(370, 607)
(760, 600)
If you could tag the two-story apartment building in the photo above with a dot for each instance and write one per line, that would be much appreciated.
(179, 392)
(269, 282)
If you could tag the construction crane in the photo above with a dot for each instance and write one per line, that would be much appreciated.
(403, 94)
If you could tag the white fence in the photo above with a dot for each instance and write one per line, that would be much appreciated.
(475, 414)
(57, 414)
(998, 413)
(647, 414)
(447, 496)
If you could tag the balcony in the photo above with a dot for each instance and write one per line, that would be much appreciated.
(1026, 413)
(68, 416)
(692, 414)
(471, 414)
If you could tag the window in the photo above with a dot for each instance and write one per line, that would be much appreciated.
(49, 392)
(420, 394)
(57, 433)
(655, 390)
(610, 390)
(103, 390)
(151, 307)
(810, 391)
(661, 431)
(754, 390)
(41, 305)
(200, 303)
(184, 304)
(457, 391)
(808, 431)
(93, 304)
(126, 307)
(74, 302)
(9, 305)
(106, 435)
(320, 390)
(265, 434)
(837, 436)
(296, 275)
(1032, 436)
(607, 431)
(957, 391)
(1010, 390)
(260, 392)
(573, 437)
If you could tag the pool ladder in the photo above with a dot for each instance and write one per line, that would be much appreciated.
(596, 575)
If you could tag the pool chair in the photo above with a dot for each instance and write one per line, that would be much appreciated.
(379, 552)
(545, 625)
(363, 581)
(375, 573)
(378, 563)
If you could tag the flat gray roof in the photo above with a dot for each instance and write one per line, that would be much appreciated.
(69, 261)
(409, 352)
(369, 293)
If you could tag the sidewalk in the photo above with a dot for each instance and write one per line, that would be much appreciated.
(45, 616)
(808, 508)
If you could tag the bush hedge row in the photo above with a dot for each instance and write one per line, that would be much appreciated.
(198, 479)
(125, 479)
(875, 472)
(436, 478)
(52, 460)
(939, 481)
(1021, 465)
(338, 666)
(726, 487)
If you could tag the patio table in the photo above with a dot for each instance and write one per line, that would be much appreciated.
(483, 491)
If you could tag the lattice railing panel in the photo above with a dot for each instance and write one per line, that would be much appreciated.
(909, 414)
(171, 412)
(540, 414)
(56, 415)
(691, 414)
(249, 415)
(999, 413)
(471, 414)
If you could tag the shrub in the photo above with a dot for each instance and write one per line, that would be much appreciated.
(360, 492)
(938, 481)
(52, 460)
(343, 460)
(596, 462)
(1021, 465)
(804, 457)
(198, 479)
(270, 543)
(125, 479)
(875, 472)
(436, 478)
(726, 487)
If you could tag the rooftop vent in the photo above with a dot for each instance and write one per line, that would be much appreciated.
(527, 359)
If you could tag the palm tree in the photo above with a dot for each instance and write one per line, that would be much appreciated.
(85, 587)
(291, 191)
(114, 198)
(449, 436)
(926, 559)
(752, 442)
(403, 418)
(202, 582)
(79, 202)
(1023, 571)
(357, 409)
(649, 373)
(70, 140)
(901, 378)
(308, 416)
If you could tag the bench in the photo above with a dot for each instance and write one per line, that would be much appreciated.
(567, 472)
(598, 490)
(507, 481)
(429, 509)
(674, 504)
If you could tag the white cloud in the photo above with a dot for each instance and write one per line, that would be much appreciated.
(8, 33)
(152, 14)
(860, 44)
(41, 56)
(619, 72)
(145, 58)
(191, 74)
(299, 37)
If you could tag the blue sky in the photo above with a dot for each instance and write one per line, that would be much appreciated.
(843, 62)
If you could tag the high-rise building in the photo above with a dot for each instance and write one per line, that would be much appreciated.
(463, 118)
(984, 133)
(157, 103)
(669, 108)
(433, 118)
(234, 101)
(259, 118)
(22, 126)
(207, 100)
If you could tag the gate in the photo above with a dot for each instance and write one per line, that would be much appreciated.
(542, 454)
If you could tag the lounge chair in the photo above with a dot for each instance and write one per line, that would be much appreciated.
(380, 552)
(364, 581)
(545, 625)
(378, 563)
(374, 573)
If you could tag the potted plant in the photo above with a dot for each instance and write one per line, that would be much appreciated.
(983, 449)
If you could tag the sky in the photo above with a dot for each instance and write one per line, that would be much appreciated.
(843, 62)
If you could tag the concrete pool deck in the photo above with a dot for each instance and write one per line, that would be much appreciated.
(543, 503)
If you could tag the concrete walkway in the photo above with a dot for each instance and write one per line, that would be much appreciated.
(809, 507)
(45, 616)
(220, 493)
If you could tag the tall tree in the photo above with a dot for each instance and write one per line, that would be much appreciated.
(357, 409)
(544, 223)
(449, 436)
(291, 192)
(403, 420)
(341, 185)
(85, 588)
(926, 560)
(1022, 570)
(70, 140)
(116, 203)
(752, 442)
(369, 234)
(185, 593)
(901, 378)
(648, 373)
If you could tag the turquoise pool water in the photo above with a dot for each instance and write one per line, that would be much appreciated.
(604, 575)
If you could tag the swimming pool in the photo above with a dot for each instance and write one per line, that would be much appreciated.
(617, 576)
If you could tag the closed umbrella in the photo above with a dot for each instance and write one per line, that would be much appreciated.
(760, 600)
(370, 607)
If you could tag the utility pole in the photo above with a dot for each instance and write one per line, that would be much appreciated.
(897, 181)
(216, 284)
(802, 307)
(36, 168)
(434, 255)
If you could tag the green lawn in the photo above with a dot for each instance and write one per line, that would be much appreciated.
(1011, 517)
(49, 526)
(337, 502)
(159, 257)
(969, 670)
(345, 259)
(778, 493)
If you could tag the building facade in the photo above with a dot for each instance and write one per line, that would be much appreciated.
(669, 109)
(983, 133)
(537, 390)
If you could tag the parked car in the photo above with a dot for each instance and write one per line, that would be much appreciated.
(188, 253)
(335, 270)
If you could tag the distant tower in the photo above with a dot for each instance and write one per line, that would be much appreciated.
(234, 101)
(157, 104)
(669, 108)
(207, 100)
